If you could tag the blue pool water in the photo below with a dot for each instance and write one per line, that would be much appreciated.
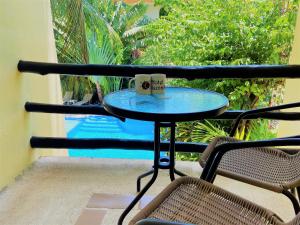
(109, 127)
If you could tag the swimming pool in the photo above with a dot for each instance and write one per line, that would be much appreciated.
(109, 127)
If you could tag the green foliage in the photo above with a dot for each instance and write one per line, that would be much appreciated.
(111, 25)
(70, 38)
(218, 32)
(103, 53)
(206, 132)
(198, 32)
(78, 85)
(69, 31)
(262, 130)
(97, 31)
(196, 131)
(120, 24)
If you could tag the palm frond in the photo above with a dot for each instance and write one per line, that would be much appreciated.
(69, 24)
(135, 14)
(100, 24)
(116, 14)
(103, 54)
(133, 31)
(205, 132)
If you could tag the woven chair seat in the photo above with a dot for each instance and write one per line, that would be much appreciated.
(194, 201)
(269, 168)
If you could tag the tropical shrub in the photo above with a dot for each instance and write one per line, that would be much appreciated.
(218, 32)
(198, 32)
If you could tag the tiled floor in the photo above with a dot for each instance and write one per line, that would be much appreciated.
(68, 191)
(99, 204)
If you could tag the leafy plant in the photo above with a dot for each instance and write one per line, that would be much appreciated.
(102, 53)
(218, 32)
(121, 24)
(97, 31)
(262, 130)
(206, 131)
(71, 43)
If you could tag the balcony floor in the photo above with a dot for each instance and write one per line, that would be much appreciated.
(56, 190)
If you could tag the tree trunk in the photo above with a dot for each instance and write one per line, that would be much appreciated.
(99, 92)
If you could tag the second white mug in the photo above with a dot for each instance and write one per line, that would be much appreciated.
(158, 83)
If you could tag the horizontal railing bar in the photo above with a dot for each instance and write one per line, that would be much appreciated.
(188, 72)
(67, 109)
(233, 114)
(96, 143)
(99, 110)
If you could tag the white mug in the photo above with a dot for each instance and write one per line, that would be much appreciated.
(158, 83)
(142, 84)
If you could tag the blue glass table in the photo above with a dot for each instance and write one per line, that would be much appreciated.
(175, 105)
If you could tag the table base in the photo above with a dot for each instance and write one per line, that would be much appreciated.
(164, 163)
(159, 163)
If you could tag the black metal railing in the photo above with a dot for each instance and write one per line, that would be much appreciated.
(99, 110)
(190, 73)
(67, 109)
(95, 143)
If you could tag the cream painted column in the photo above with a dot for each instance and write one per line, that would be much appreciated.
(25, 33)
(292, 87)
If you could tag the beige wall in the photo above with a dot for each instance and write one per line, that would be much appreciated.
(292, 93)
(25, 33)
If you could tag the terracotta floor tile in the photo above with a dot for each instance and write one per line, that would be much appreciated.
(91, 217)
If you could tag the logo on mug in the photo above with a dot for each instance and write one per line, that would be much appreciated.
(146, 85)
(149, 83)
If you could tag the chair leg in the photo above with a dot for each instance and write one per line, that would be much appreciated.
(298, 193)
(294, 191)
(179, 173)
(293, 200)
(138, 181)
(213, 180)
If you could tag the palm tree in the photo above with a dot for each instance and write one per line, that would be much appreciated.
(69, 30)
(71, 43)
(98, 31)
(121, 24)
(102, 55)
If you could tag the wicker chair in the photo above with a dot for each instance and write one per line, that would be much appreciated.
(270, 168)
(188, 201)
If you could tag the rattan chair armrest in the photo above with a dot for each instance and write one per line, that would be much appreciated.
(258, 112)
(158, 222)
(216, 155)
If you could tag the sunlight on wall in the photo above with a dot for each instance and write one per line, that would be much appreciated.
(25, 33)
(292, 87)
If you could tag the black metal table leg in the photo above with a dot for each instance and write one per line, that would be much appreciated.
(179, 173)
(138, 181)
(172, 152)
(155, 173)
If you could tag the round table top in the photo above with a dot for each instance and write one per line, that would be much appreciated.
(176, 104)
